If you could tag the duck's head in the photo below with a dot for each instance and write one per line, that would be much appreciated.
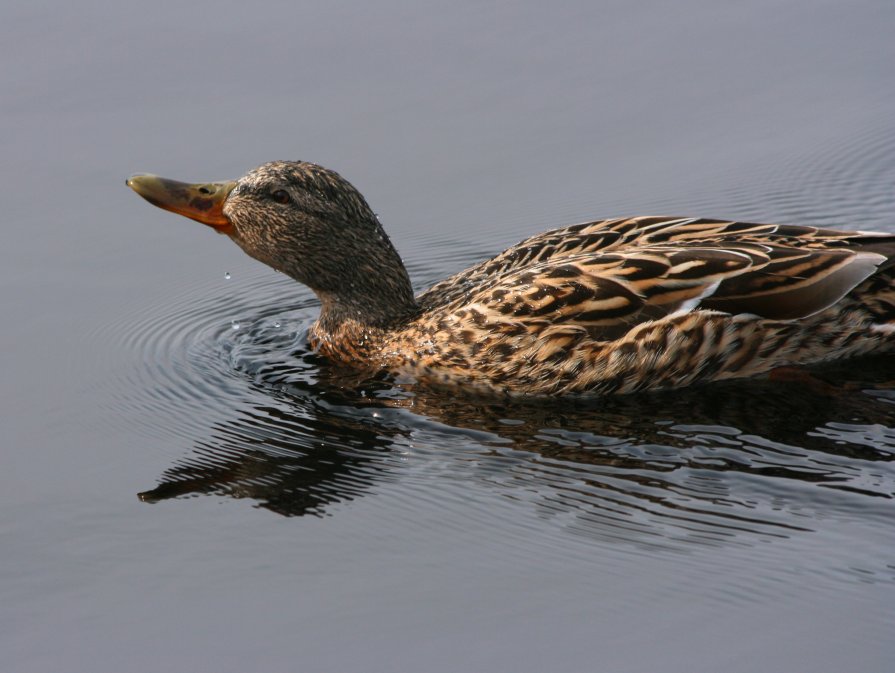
(306, 221)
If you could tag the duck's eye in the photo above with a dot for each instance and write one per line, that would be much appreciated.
(281, 196)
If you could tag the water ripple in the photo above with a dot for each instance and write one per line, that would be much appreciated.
(847, 183)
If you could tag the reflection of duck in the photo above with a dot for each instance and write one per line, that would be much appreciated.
(680, 458)
(611, 306)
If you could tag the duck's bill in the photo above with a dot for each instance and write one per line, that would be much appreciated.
(201, 202)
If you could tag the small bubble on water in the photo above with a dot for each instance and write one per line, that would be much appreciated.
(227, 276)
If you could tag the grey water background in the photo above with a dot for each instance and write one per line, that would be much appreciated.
(302, 524)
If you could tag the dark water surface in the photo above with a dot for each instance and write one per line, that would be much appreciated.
(303, 521)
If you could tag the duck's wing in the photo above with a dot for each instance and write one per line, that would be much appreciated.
(667, 266)
(630, 234)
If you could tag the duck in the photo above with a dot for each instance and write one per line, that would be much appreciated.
(610, 306)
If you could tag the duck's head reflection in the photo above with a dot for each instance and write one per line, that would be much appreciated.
(293, 459)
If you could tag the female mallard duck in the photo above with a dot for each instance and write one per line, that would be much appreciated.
(613, 306)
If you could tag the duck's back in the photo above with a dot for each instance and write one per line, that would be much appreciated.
(628, 304)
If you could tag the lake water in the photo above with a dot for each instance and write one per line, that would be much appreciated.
(184, 487)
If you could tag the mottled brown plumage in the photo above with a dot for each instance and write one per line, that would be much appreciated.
(613, 306)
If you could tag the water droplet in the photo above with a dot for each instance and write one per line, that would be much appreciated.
(234, 324)
(227, 276)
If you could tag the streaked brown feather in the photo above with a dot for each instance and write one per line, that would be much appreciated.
(660, 302)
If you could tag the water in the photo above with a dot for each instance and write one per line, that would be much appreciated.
(178, 494)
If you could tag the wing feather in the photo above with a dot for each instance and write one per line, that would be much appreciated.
(610, 275)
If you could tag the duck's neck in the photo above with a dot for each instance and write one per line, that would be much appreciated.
(354, 336)
(339, 313)
(370, 303)
(374, 290)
